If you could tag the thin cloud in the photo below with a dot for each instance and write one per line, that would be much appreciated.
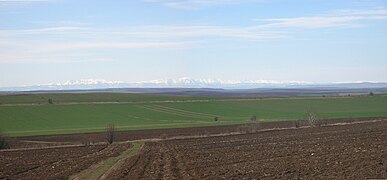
(378, 11)
(8, 6)
(196, 4)
(311, 22)
(24, 1)
(44, 45)
(336, 19)
(25, 44)
(151, 32)
(25, 56)
(57, 52)
(106, 45)
(197, 31)
(50, 30)
(61, 23)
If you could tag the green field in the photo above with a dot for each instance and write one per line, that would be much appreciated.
(42, 98)
(75, 118)
(88, 97)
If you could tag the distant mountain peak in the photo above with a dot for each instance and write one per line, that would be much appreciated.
(84, 82)
(192, 81)
(186, 82)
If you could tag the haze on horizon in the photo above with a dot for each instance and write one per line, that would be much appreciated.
(48, 41)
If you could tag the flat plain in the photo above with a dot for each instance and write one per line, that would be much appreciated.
(26, 115)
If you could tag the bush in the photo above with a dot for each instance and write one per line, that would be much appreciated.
(110, 131)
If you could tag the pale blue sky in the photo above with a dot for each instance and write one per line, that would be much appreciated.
(321, 41)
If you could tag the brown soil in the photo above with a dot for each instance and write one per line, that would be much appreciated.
(352, 151)
(167, 133)
(14, 144)
(54, 163)
(344, 149)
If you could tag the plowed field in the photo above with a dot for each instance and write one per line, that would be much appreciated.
(54, 163)
(354, 151)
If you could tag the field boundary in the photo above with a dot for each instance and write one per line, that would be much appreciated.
(101, 169)
(258, 131)
(117, 127)
(235, 132)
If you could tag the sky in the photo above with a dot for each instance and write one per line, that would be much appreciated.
(319, 41)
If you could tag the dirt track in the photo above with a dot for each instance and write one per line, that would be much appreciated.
(355, 151)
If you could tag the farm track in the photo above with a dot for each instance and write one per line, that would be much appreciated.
(351, 151)
(168, 111)
(188, 112)
(179, 112)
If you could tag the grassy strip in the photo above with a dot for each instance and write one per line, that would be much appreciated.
(119, 128)
(113, 160)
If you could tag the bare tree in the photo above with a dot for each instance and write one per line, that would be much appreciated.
(253, 118)
(110, 131)
(50, 101)
(253, 124)
(312, 118)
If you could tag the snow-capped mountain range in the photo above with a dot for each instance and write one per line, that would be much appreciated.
(186, 82)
